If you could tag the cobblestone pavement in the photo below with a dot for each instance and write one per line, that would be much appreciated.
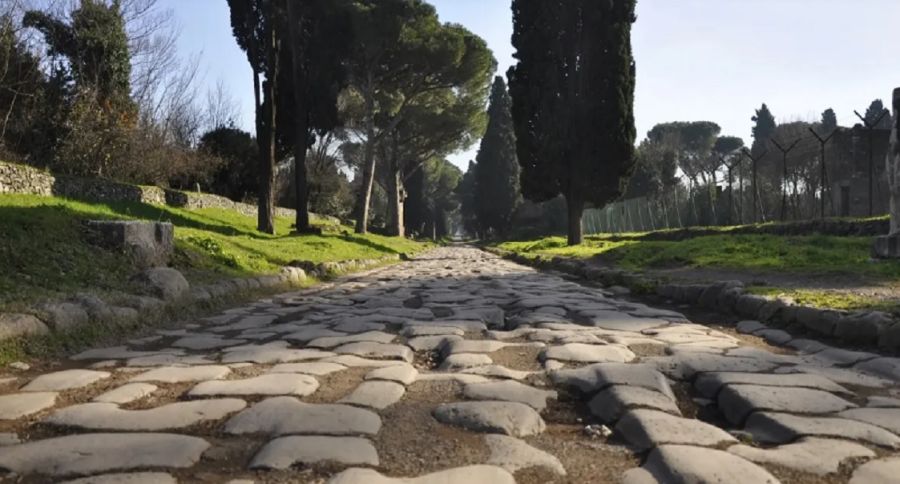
(456, 367)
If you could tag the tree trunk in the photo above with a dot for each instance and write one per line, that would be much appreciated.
(302, 129)
(395, 204)
(267, 168)
(365, 192)
(575, 209)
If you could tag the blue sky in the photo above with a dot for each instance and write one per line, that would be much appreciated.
(714, 60)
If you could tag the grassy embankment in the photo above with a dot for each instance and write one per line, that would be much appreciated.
(804, 258)
(44, 254)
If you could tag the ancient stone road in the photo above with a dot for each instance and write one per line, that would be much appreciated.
(456, 367)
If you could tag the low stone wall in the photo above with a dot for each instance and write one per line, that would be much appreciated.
(27, 180)
(870, 328)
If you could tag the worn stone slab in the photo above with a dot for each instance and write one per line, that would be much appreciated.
(839, 375)
(127, 478)
(750, 327)
(461, 378)
(354, 361)
(270, 354)
(270, 384)
(285, 452)
(311, 333)
(781, 428)
(687, 464)
(9, 438)
(738, 401)
(95, 453)
(497, 371)
(405, 374)
(810, 454)
(709, 384)
(168, 360)
(287, 415)
(375, 394)
(510, 418)
(477, 474)
(620, 321)
(778, 337)
(513, 455)
(19, 405)
(316, 368)
(877, 471)
(588, 353)
(118, 353)
(108, 416)
(882, 367)
(454, 347)
(431, 330)
(206, 342)
(377, 350)
(685, 365)
(886, 418)
(509, 391)
(593, 378)
(610, 404)
(127, 393)
(431, 343)
(645, 429)
(178, 374)
(64, 380)
(839, 357)
(335, 341)
(461, 361)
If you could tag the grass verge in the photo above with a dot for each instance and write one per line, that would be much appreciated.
(44, 253)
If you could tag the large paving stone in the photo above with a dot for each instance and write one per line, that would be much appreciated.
(586, 353)
(354, 361)
(461, 361)
(513, 455)
(879, 471)
(509, 391)
(709, 384)
(510, 418)
(270, 354)
(287, 415)
(739, 401)
(683, 464)
(610, 404)
(620, 321)
(454, 347)
(431, 330)
(477, 474)
(335, 341)
(375, 394)
(882, 367)
(271, 384)
(685, 365)
(119, 353)
(94, 453)
(810, 454)
(316, 368)
(645, 429)
(179, 374)
(593, 378)
(405, 374)
(377, 350)
(781, 428)
(127, 393)
(64, 380)
(886, 418)
(108, 416)
(844, 376)
(19, 405)
(284, 452)
(205, 342)
(497, 371)
(127, 478)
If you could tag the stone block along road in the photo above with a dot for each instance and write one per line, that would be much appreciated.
(453, 367)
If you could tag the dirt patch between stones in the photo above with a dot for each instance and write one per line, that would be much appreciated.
(412, 442)
(522, 358)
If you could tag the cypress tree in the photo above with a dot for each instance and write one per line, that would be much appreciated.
(497, 175)
(573, 97)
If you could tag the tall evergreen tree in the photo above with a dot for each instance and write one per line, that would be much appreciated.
(763, 129)
(573, 96)
(497, 175)
(829, 121)
(875, 111)
(465, 193)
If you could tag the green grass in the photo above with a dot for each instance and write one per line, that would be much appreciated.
(808, 254)
(44, 254)
(829, 299)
